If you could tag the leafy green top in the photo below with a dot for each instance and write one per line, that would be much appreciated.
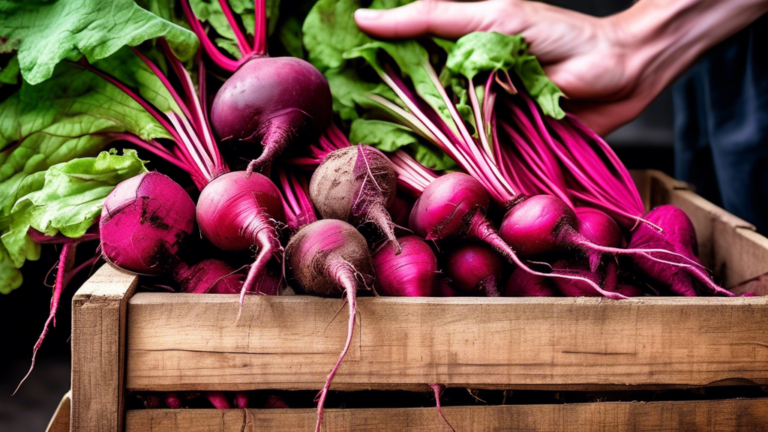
(46, 33)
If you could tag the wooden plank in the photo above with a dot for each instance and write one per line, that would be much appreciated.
(730, 415)
(741, 255)
(98, 348)
(60, 420)
(190, 342)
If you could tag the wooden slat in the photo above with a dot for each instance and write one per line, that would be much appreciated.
(60, 420)
(732, 415)
(98, 342)
(190, 342)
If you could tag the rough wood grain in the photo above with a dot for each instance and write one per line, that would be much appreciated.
(60, 420)
(98, 342)
(190, 342)
(733, 415)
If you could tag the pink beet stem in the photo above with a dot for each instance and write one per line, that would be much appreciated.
(242, 42)
(345, 277)
(221, 60)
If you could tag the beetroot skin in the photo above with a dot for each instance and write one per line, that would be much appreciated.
(408, 274)
(329, 257)
(356, 184)
(273, 101)
(475, 269)
(144, 223)
(678, 236)
(236, 211)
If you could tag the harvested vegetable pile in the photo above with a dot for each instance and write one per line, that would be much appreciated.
(408, 168)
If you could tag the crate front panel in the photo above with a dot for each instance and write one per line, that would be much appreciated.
(191, 342)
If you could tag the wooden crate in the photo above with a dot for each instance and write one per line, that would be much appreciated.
(162, 342)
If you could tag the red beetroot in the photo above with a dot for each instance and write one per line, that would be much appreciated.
(678, 236)
(236, 211)
(475, 268)
(329, 257)
(144, 223)
(453, 206)
(410, 273)
(274, 101)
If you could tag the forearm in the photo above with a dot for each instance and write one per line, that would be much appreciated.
(662, 38)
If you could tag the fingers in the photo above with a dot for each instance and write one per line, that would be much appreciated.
(429, 17)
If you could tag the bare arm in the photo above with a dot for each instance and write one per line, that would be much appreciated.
(610, 68)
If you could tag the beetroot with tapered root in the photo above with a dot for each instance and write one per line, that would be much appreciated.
(678, 236)
(330, 257)
(236, 211)
(272, 101)
(356, 184)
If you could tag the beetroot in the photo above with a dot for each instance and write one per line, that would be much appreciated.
(524, 284)
(544, 224)
(356, 184)
(241, 399)
(678, 236)
(218, 399)
(329, 257)
(144, 223)
(598, 227)
(236, 211)
(475, 268)
(173, 401)
(408, 274)
(273, 101)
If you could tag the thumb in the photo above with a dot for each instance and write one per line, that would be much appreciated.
(444, 19)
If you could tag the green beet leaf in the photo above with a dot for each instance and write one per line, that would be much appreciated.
(46, 34)
(484, 52)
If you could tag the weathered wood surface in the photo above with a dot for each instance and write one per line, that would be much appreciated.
(732, 415)
(98, 348)
(60, 420)
(190, 342)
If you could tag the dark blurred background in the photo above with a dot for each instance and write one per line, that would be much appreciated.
(644, 143)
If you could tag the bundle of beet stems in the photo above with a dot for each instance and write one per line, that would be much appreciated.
(465, 177)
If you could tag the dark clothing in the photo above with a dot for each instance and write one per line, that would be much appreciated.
(721, 125)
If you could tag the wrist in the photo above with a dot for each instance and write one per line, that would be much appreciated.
(660, 39)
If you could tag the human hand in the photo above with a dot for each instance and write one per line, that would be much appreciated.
(587, 57)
